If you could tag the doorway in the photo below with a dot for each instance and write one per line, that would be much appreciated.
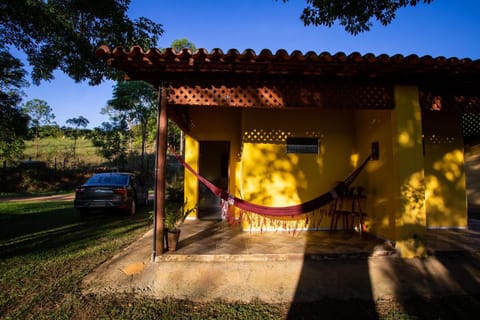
(213, 166)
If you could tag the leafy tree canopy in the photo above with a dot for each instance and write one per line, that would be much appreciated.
(179, 44)
(111, 139)
(13, 121)
(39, 111)
(41, 114)
(135, 97)
(354, 15)
(81, 121)
(63, 34)
(133, 101)
(138, 101)
(77, 122)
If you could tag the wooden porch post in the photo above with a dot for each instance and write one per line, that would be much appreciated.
(160, 172)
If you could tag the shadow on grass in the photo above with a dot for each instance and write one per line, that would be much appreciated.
(38, 232)
(20, 219)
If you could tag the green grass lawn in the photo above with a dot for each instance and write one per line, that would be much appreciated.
(46, 249)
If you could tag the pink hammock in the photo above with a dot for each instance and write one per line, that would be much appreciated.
(293, 210)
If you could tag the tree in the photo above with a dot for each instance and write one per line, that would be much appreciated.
(59, 34)
(13, 121)
(77, 122)
(63, 34)
(179, 44)
(112, 140)
(353, 15)
(40, 114)
(138, 100)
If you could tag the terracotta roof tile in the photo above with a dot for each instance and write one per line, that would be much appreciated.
(137, 63)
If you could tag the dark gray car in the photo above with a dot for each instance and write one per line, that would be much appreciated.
(113, 190)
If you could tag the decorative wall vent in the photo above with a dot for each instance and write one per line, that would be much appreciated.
(265, 136)
(471, 124)
(437, 139)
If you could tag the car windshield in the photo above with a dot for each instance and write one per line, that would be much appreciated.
(108, 179)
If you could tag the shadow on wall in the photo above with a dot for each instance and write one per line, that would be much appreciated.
(472, 173)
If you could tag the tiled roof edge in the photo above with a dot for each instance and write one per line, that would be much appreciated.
(281, 55)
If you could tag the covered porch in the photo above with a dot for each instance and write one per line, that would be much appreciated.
(409, 106)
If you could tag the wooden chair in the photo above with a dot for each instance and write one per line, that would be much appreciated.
(338, 212)
(358, 214)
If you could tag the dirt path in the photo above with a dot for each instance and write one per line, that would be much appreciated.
(58, 197)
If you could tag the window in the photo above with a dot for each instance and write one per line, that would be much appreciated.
(302, 145)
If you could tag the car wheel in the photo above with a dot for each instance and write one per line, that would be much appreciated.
(133, 208)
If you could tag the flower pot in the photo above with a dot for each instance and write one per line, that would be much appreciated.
(172, 239)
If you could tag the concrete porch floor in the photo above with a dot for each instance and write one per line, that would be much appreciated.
(206, 238)
(220, 238)
(217, 261)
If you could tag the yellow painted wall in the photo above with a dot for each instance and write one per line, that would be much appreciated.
(409, 196)
(260, 169)
(472, 174)
(444, 170)
(211, 124)
(269, 176)
(371, 126)
(190, 185)
(395, 183)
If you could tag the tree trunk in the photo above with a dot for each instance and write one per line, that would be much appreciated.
(144, 138)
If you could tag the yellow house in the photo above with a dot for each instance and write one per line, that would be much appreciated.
(278, 130)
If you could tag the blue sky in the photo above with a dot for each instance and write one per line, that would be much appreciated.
(443, 28)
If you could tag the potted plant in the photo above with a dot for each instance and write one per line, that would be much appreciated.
(175, 215)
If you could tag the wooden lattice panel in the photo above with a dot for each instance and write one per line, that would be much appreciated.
(450, 101)
(281, 93)
(227, 96)
(471, 124)
(372, 97)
